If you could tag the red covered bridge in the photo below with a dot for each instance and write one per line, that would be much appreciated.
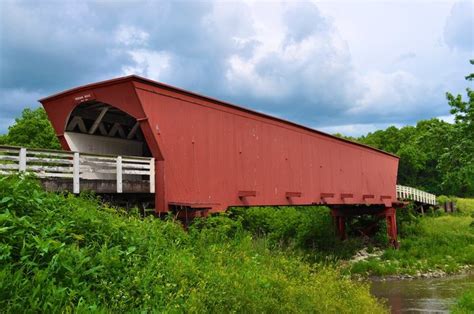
(211, 154)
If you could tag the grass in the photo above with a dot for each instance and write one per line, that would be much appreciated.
(307, 230)
(465, 303)
(465, 205)
(60, 253)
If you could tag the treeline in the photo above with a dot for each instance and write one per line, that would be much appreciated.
(435, 156)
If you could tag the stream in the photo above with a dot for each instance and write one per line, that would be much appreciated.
(426, 295)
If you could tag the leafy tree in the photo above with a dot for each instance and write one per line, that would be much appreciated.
(457, 164)
(470, 77)
(418, 147)
(350, 138)
(432, 139)
(32, 129)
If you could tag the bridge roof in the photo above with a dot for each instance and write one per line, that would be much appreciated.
(136, 78)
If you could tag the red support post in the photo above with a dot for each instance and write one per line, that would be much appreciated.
(342, 227)
(391, 218)
(340, 223)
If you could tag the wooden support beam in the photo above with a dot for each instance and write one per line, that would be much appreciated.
(293, 194)
(117, 128)
(102, 129)
(247, 194)
(97, 121)
(392, 232)
(386, 199)
(133, 131)
(111, 117)
(327, 195)
(77, 121)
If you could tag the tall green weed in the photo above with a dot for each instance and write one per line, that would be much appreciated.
(61, 253)
(465, 303)
(308, 229)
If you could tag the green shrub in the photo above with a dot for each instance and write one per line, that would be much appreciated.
(60, 253)
(309, 229)
(32, 129)
(442, 199)
(465, 205)
(300, 226)
(408, 221)
(465, 304)
(381, 236)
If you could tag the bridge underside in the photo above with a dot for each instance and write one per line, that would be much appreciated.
(96, 186)
(134, 193)
(341, 215)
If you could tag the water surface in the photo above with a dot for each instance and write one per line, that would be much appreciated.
(434, 295)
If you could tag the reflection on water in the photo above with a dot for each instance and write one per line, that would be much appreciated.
(422, 295)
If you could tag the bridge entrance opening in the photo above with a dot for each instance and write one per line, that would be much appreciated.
(99, 128)
(96, 129)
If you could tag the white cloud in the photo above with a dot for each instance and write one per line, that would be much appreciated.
(459, 27)
(241, 75)
(131, 36)
(447, 118)
(152, 64)
(404, 57)
(296, 66)
(387, 93)
(357, 129)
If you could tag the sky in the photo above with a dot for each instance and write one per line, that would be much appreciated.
(338, 66)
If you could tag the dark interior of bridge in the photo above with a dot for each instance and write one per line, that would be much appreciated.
(112, 130)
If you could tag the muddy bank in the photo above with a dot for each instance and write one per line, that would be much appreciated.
(463, 270)
(375, 254)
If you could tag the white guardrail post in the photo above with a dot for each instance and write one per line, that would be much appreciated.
(119, 174)
(22, 161)
(76, 173)
(152, 175)
(409, 193)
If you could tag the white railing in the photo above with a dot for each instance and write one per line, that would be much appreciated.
(409, 193)
(45, 163)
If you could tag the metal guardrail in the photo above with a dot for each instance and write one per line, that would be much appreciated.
(45, 163)
(409, 193)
